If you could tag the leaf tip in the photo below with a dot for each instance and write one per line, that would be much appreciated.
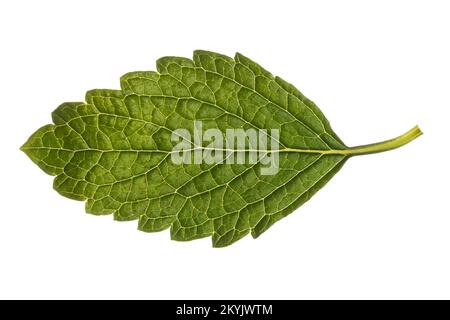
(27, 146)
(23, 147)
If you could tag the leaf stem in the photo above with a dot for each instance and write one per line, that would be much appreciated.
(405, 138)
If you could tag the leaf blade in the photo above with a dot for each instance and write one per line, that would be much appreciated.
(113, 151)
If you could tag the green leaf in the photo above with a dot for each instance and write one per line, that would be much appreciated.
(114, 150)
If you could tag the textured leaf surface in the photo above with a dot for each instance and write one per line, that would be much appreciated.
(114, 149)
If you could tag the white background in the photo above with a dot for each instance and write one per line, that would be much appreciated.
(379, 229)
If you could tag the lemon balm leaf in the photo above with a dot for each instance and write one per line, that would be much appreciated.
(115, 150)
